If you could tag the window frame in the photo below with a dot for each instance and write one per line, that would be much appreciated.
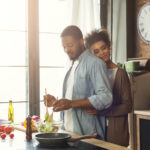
(33, 56)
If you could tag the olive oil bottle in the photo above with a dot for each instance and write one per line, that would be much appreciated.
(10, 112)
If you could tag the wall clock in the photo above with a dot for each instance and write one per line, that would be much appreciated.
(143, 23)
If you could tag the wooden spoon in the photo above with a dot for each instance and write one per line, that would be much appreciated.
(47, 113)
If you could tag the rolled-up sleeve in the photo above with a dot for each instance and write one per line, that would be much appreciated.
(102, 97)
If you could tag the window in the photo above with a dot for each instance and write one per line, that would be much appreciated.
(16, 72)
(52, 57)
(13, 57)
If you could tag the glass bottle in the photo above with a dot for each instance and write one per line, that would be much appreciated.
(10, 112)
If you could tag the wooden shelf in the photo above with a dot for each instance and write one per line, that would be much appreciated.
(139, 58)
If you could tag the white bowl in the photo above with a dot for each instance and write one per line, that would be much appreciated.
(48, 127)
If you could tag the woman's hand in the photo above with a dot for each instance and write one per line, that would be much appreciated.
(49, 100)
(91, 111)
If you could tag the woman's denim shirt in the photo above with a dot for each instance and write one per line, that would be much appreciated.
(90, 81)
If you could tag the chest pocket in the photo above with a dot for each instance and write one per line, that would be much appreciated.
(82, 78)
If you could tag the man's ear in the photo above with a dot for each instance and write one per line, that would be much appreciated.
(81, 41)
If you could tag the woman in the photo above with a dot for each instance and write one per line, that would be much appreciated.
(117, 114)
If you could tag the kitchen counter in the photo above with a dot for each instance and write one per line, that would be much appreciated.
(142, 112)
(101, 143)
(19, 143)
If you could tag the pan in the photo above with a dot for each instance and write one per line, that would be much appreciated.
(59, 139)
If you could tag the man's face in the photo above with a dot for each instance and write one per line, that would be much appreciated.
(72, 46)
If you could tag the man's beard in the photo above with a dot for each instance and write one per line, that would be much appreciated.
(78, 52)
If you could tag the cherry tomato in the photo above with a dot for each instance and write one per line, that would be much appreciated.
(3, 136)
(8, 130)
(11, 135)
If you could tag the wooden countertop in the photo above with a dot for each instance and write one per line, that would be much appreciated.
(93, 141)
(100, 143)
(142, 112)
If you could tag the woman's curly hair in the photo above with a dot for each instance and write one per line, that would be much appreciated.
(95, 36)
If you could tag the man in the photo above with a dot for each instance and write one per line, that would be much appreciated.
(86, 86)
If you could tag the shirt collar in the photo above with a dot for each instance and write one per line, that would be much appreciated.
(81, 56)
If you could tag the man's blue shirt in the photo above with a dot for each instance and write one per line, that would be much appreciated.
(90, 81)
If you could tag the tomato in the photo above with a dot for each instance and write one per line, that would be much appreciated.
(3, 136)
(1, 133)
(11, 135)
(8, 130)
(35, 118)
(2, 128)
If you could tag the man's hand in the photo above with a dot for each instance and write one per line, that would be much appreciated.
(49, 100)
(62, 104)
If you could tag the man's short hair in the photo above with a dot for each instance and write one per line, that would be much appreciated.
(73, 31)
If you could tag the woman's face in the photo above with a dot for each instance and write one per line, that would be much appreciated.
(101, 50)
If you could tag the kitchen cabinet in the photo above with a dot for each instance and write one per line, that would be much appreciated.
(140, 86)
(142, 129)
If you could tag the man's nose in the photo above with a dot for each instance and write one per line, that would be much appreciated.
(101, 52)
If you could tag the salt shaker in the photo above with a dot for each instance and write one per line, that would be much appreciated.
(28, 129)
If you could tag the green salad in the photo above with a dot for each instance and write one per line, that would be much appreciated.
(47, 127)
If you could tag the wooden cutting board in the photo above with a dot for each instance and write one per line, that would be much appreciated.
(21, 128)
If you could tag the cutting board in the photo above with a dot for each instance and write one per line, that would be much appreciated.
(21, 128)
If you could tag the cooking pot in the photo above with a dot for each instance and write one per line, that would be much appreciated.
(59, 139)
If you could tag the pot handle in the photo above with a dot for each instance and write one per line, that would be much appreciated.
(94, 135)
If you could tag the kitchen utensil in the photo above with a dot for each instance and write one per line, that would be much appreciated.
(58, 139)
(47, 113)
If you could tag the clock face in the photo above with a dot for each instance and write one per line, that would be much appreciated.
(143, 23)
